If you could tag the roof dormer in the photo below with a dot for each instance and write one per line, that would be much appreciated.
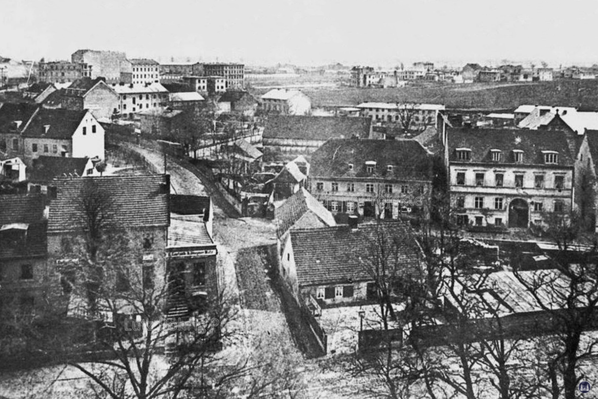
(370, 166)
(518, 156)
(551, 157)
(496, 155)
(463, 154)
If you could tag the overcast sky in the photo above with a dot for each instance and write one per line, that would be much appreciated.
(306, 32)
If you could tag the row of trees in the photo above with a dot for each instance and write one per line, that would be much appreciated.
(458, 342)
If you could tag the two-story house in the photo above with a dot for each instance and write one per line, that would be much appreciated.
(92, 94)
(134, 98)
(508, 177)
(372, 178)
(286, 102)
(415, 115)
(14, 118)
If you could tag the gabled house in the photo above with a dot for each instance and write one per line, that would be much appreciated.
(12, 169)
(508, 177)
(94, 95)
(286, 137)
(238, 102)
(38, 92)
(287, 182)
(470, 72)
(14, 118)
(45, 169)
(286, 102)
(373, 178)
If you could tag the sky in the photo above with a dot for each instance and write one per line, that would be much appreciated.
(306, 32)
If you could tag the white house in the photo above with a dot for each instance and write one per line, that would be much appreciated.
(287, 102)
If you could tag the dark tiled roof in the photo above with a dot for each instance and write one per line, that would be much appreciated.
(296, 207)
(233, 96)
(27, 209)
(143, 61)
(409, 160)
(15, 112)
(531, 142)
(38, 87)
(332, 254)
(81, 86)
(55, 98)
(46, 169)
(136, 201)
(316, 127)
(592, 136)
(62, 122)
(189, 204)
(186, 233)
(21, 209)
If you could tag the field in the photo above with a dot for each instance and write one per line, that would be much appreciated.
(490, 96)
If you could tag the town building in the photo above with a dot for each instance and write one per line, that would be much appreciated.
(111, 65)
(287, 182)
(286, 102)
(190, 100)
(45, 169)
(161, 123)
(418, 115)
(232, 73)
(136, 98)
(239, 102)
(63, 71)
(524, 110)
(372, 178)
(470, 72)
(145, 71)
(586, 178)
(206, 84)
(287, 136)
(14, 118)
(94, 95)
(12, 169)
(38, 92)
(489, 75)
(545, 74)
(365, 76)
(508, 177)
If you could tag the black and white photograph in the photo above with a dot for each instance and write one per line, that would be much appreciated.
(298, 199)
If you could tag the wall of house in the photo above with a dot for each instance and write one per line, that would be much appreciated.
(299, 104)
(320, 292)
(46, 147)
(191, 266)
(287, 266)
(133, 103)
(12, 144)
(102, 102)
(86, 143)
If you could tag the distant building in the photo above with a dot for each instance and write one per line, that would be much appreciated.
(364, 76)
(145, 71)
(238, 101)
(92, 94)
(491, 75)
(46, 169)
(38, 92)
(112, 65)
(161, 123)
(470, 72)
(286, 102)
(233, 74)
(185, 100)
(206, 84)
(63, 71)
(12, 169)
(545, 74)
(136, 98)
(419, 114)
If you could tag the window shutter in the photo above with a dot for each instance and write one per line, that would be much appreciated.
(329, 293)
(348, 291)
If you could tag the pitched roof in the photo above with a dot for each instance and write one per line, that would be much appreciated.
(38, 87)
(296, 207)
(81, 86)
(139, 88)
(526, 109)
(395, 106)
(46, 168)
(246, 147)
(281, 94)
(143, 61)
(233, 96)
(316, 127)
(290, 174)
(409, 160)
(9, 113)
(186, 96)
(531, 142)
(136, 201)
(21, 208)
(24, 212)
(62, 123)
(186, 233)
(332, 255)
(592, 137)
(536, 118)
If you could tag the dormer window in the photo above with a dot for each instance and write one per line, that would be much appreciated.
(370, 166)
(518, 156)
(350, 166)
(389, 168)
(551, 157)
(463, 154)
(496, 155)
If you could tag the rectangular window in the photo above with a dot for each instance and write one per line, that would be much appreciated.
(338, 292)
(518, 156)
(334, 186)
(460, 202)
(328, 292)
(199, 273)
(27, 272)
(89, 171)
(461, 178)
(148, 276)
(538, 206)
(348, 291)
(350, 206)
(404, 189)
(518, 180)
(463, 155)
(55, 148)
(496, 155)
(46, 148)
(334, 206)
(559, 206)
(479, 202)
(479, 179)
(15, 144)
(369, 188)
(551, 158)
(539, 181)
(388, 188)
(84, 130)
(498, 221)
(319, 186)
(559, 182)
(320, 293)
(93, 128)
(350, 187)
(369, 169)
(462, 220)
(479, 220)
(34, 147)
(499, 179)
(498, 203)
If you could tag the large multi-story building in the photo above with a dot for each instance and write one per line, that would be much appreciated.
(111, 65)
(372, 178)
(171, 71)
(63, 71)
(140, 97)
(145, 71)
(508, 177)
(232, 73)
(416, 114)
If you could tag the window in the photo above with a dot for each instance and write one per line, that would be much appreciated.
(498, 203)
(389, 168)
(148, 276)
(199, 273)
(463, 154)
(34, 147)
(404, 189)
(334, 186)
(93, 128)
(89, 171)
(26, 305)
(461, 178)
(388, 188)
(334, 206)
(496, 155)
(518, 156)
(479, 202)
(320, 293)
(348, 291)
(498, 221)
(84, 130)
(559, 206)
(462, 220)
(46, 148)
(369, 169)
(479, 179)
(369, 188)
(319, 186)
(55, 148)
(538, 206)
(479, 220)
(499, 179)
(518, 180)
(551, 157)
(26, 272)
(338, 292)
(539, 181)
(461, 202)
(328, 292)
(559, 182)
(350, 166)
(350, 207)
(15, 144)
(350, 187)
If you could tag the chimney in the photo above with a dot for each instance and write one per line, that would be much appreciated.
(353, 222)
